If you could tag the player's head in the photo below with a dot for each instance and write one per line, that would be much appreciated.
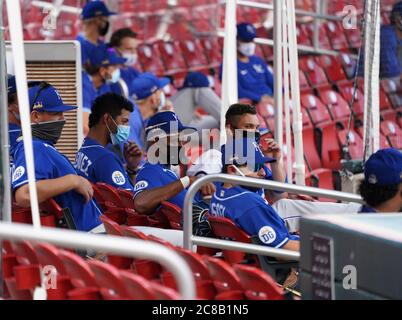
(243, 156)
(47, 112)
(246, 34)
(111, 115)
(396, 15)
(125, 42)
(95, 15)
(166, 136)
(241, 119)
(147, 92)
(382, 185)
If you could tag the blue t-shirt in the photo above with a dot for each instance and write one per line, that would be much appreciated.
(152, 176)
(90, 93)
(98, 164)
(14, 131)
(88, 48)
(51, 164)
(252, 214)
(254, 79)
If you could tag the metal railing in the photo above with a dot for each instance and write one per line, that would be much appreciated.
(189, 239)
(111, 244)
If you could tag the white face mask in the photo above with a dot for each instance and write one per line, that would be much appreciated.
(131, 58)
(115, 77)
(247, 48)
(163, 101)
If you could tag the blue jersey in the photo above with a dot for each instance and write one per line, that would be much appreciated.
(51, 164)
(88, 48)
(137, 127)
(90, 93)
(252, 214)
(98, 164)
(153, 176)
(14, 131)
(254, 79)
(268, 176)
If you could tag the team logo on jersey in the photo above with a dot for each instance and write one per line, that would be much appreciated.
(259, 68)
(243, 72)
(267, 235)
(118, 178)
(140, 185)
(18, 173)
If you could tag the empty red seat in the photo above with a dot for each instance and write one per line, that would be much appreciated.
(333, 68)
(336, 35)
(393, 133)
(172, 213)
(193, 54)
(212, 50)
(224, 277)
(347, 91)
(316, 109)
(150, 59)
(356, 149)
(314, 73)
(171, 56)
(336, 105)
(137, 287)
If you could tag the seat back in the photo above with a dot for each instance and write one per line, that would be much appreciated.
(48, 255)
(111, 227)
(223, 275)
(150, 59)
(109, 194)
(25, 252)
(132, 233)
(315, 108)
(78, 270)
(355, 143)
(172, 213)
(196, 264)
(126, 198)
(137, 287)
(336, 105)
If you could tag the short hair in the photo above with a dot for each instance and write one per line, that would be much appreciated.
(236, 110)
(119, 35)
(110, 103)
(375, 195)
(11, 98)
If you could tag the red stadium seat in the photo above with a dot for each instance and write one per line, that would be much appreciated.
(314, 73)
(137, 287)
(171, 56)
(315, 108)
(163, 293)
(258, 284)
(212, 51)
(132, 233)
(348, 63)
(355, 143)
(126, 198)
(337, 106)
(393, 133)
(330, 150)
(302, 35)
(336, 35)
(111, 227)
(346, 91)
(109, 194)
(224, 277)
(383, 139)
(323, 41)
(333, 68)
(172, 213)
(150, 60)
(193, 54)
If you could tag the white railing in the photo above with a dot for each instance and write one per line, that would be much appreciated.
(106, 243)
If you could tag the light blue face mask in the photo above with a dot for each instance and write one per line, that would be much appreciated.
(121, 135)
(115, 77)
(163, 101)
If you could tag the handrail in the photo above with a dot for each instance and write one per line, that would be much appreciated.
(189, 239)
(113, 244)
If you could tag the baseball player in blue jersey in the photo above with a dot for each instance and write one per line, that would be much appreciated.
(255, 80)
(55, 175)
(381, 188)
(108, 123)
(243, 205)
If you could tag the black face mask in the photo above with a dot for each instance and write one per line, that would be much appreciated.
(49, 131)
(103, 30)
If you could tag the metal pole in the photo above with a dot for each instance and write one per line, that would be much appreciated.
(117, 245)
(17, 44)
(5, 215)
(229, 70)
(251, 182)
(278, 72)
(317, 24)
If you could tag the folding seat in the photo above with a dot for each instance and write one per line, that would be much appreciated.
(337, 106)
(258, 284)
(355, 149)
(323, 41)
(137, 287)
(172, 213)
(315, 108)
(133, 233)
(336, 35)
(212, 51)
(193, 54)
(171, 56)
(348, 64)
(304, 85)
(393, 133)
(109, 280)
(385, 102)
(126, 198)
(383, 139)
(111, 227)
(164, 293)
(225, 279)
(109, 194)
(347, 91)
(353, 36)
(314, 73)
(330, 150)
(332, 67)
(302, 35)
(150, 59)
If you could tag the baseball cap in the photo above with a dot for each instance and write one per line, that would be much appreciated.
(243, 151)
(146, 84)
(165, 123)
(12, 84)
(104, 58)
(384, 167)
(95, 9)
(195, 80)
(246, 32)
(47, 98)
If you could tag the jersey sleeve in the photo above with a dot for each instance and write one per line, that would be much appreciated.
(269, 78)
(264, 222)
(147, 179)
(109, 170)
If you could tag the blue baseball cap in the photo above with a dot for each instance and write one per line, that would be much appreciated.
(146, 84)
(47, 99)
(95, 9)
(241, 151)
(196, 80)
(104, 58)
(384, 167)
(165, 123)
(246, 32)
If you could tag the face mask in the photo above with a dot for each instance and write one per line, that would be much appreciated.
(247, 48)
(115, 77)
(163, 101)
(49, 131)
(104, 29)
(131, 58)
(121, 135)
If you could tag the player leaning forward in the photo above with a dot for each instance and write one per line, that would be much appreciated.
(55, 175)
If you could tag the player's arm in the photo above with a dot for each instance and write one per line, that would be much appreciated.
(292, 245)
(50, 188)
(147, 201)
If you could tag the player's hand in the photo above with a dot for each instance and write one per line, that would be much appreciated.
(270, 148)
(83, 187)
(267, 100)
(132, 154)
(208, 189)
